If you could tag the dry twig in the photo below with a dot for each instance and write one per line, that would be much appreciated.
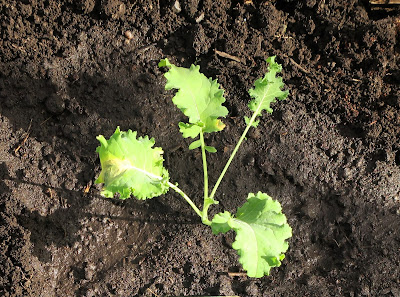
(228, 56)
(28, 132)
(384, 2)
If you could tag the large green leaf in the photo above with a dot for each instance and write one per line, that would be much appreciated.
(131, 166)
(267, 89)
(198, 97)
(261, 233)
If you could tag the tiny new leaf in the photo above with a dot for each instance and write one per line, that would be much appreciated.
(261, 233)
(131, 166)
(198, 97)
(267, 89)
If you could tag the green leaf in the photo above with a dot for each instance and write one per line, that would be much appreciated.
(267, 89)
(131, 166)
(220, 223)
(198, 97)
(189, 130)
(254, 124)
(210, 149)
(195, 144)
(261, 233)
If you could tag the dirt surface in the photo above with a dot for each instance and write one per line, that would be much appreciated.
(71, 70)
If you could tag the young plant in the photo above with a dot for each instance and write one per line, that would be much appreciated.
(132, 166)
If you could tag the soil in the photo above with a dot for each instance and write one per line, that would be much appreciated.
(71, 70)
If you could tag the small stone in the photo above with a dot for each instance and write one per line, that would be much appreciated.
(200, 18)
(128, 34)
(177, 7)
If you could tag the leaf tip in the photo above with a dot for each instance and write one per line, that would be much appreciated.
(164, 63)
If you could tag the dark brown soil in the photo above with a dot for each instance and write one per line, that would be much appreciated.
(330, 153)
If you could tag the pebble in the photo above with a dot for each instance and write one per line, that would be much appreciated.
(177, 7)
(128, 34)
(200, 18)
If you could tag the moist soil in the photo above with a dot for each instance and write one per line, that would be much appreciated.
(71, 70)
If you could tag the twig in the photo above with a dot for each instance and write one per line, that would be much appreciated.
(237, 274)
(298, 66)
(45, 120)
(384, 2)
(228, 56)
(25, 139)
(148, 289)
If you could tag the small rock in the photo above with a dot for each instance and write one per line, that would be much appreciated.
(177, 7)
(200, 18)
(128, 34)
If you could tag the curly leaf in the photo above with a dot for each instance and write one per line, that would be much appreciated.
(131, 166)
(261, 233)
(198, 97)
(267, 89)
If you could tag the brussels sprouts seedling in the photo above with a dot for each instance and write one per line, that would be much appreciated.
(131, 165)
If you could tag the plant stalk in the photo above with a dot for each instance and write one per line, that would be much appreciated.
(205, 173)
(206, 201)
(186, 197)
(174, 187)
(234, 153)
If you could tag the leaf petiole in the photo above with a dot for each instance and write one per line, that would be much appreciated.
(174, 187)
(250, 123)
(207, 201)
(203, 156)
(186, 197)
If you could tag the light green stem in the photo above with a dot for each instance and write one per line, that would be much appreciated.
(174, 187)
(186, 197)
(207, 201)
(205, 173)
(233, 153)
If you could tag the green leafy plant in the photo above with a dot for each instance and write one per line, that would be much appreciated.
(132, 166)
